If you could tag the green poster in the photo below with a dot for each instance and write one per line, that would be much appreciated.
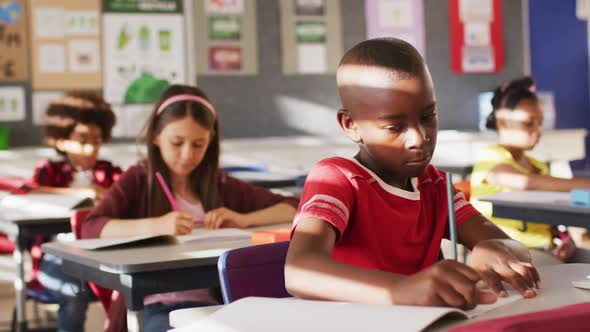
(310, 31)
(142, 6)
(225, 27)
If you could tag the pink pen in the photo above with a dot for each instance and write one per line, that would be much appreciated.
(167, 191)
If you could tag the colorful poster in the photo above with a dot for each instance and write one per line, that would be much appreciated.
(310, 7)
(225, 7)
(13, 41)
(225, 32)
(81, 23)
(66, 51)
(476, 41)
(311, 36)
(403, 19)
(312, 58)
(52, 58)
(50, 22)
(12, 103)
(225, 58)
(144, 53)
(225, 27)
(84, 56)
(310, 31)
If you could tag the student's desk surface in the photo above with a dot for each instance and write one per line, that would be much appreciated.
(556, 291)
(545, 207)
(138, 271)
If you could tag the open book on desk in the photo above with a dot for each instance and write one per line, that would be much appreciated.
(37, 205)
(198, 235)
(251, 314)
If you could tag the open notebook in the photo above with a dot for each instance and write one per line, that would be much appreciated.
(251, 314)
(198, 234)
(37, 205)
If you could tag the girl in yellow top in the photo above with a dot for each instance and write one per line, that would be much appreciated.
(517, 117)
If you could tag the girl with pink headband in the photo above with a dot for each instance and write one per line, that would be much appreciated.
(180, 186)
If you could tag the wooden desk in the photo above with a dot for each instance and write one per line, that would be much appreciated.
(545, 207)
(21, 226)
(138, 271)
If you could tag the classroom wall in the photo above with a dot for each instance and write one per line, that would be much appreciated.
(559, 62)
(275, 105)
(271, 104)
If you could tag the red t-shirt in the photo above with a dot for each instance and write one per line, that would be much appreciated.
(379, 226)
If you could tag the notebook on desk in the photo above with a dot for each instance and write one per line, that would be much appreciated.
(251, 314)
(198, 235)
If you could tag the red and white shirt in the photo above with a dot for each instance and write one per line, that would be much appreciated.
(379, 226)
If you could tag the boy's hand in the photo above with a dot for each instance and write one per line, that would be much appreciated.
(447, 283)
(505, 260)
(224, 217)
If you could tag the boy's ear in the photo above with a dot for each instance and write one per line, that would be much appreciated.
(156, 141)
(348, 125)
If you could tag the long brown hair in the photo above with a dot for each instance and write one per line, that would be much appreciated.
(204, 178)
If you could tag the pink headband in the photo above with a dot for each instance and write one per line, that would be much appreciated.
(187, 97)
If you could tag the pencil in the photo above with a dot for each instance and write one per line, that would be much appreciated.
(167, 191)
(452, 222)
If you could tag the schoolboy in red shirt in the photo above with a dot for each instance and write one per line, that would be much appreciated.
(368, 229)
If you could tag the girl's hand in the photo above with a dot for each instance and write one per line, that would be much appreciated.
(177, 222)
(446, 283)
(565, 250)
(505, 260)
(224, 217)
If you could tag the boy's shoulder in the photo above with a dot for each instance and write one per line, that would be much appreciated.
(340, 165)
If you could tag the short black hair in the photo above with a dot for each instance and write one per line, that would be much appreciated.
(508, 95)
(389, 53)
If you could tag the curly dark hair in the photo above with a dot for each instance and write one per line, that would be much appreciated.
(509, 95)
(85, 107)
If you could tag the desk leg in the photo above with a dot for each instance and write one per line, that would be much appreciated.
(20, 286)
(134, 320)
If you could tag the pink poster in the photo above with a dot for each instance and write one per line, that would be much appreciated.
(403, 19)
(225, 58)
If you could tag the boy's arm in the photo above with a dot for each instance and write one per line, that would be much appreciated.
(311, 273)
(478, 228)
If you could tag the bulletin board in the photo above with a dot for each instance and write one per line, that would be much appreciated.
(226, 37)
(311, 34)
(403, 19)
(476, 38)
(14, 42)
(65, 44)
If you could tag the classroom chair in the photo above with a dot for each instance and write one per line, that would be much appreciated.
(253, 271)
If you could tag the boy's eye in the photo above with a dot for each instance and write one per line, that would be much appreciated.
(176, 143)
(429, 116)
(197, 145)
(395, 128)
